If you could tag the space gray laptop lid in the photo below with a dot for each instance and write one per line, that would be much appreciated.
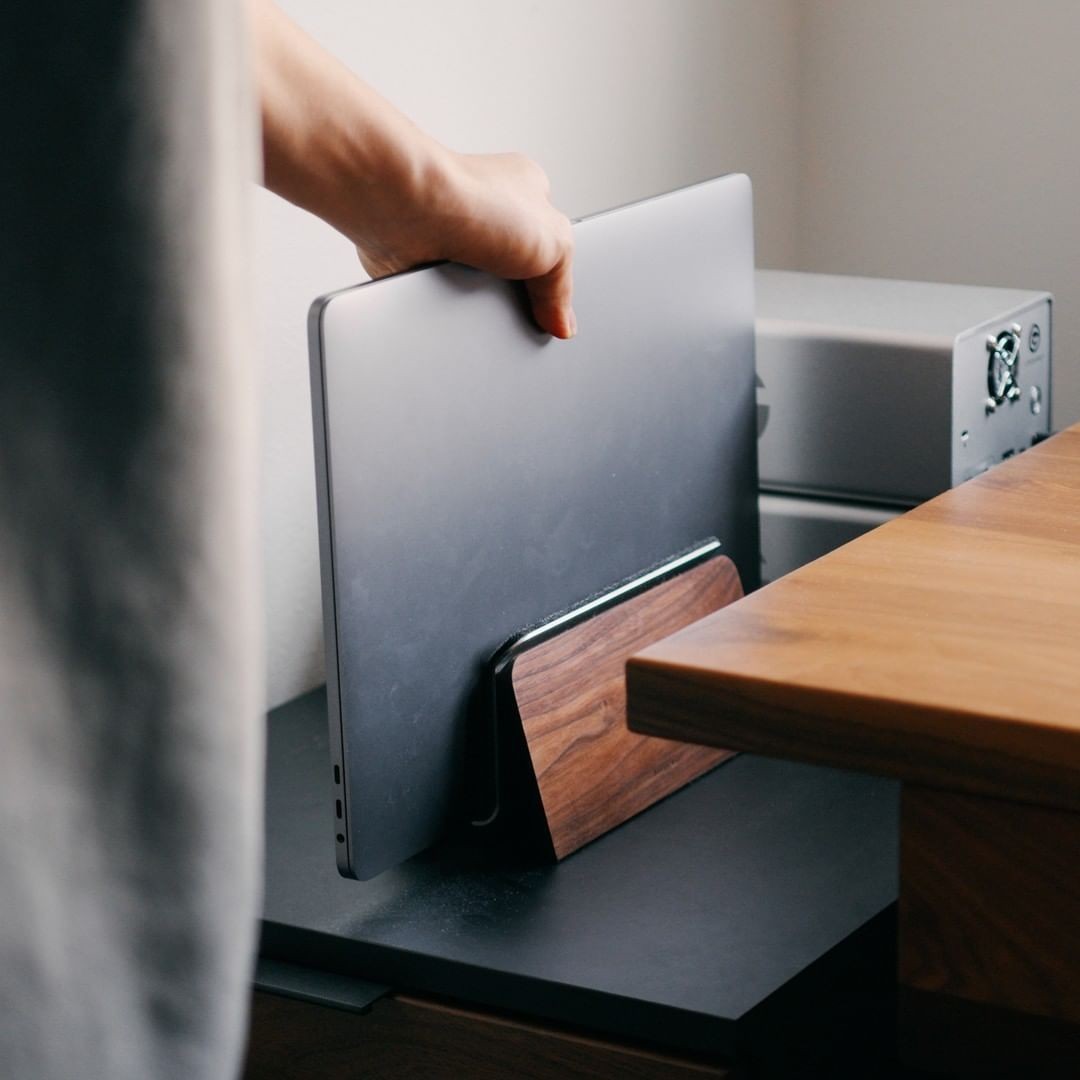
(476, 476)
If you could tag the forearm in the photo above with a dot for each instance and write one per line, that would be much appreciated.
(331, 144)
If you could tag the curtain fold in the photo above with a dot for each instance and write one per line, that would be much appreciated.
(130, 690)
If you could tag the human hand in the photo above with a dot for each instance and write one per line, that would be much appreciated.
(490, 211)
(335, 147)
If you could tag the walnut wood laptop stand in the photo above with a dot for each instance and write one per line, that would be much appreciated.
(583, 770)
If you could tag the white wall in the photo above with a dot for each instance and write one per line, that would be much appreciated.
(939, 140)
(920, 139)
(617, 98)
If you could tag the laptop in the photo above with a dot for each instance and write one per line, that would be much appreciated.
(476, 477)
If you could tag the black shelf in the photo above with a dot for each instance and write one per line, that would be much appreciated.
(684, 927)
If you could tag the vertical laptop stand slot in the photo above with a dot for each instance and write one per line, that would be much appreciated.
(584, 771)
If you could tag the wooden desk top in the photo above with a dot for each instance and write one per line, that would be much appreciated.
(942, 648)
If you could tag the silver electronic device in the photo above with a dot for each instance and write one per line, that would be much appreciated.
(874, 395)
(894, 391)
(476, 478)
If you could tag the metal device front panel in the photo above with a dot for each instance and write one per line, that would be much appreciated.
(480, 477)
(854, 418)
(985, 430)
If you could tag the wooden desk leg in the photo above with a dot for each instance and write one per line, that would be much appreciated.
(989, 933)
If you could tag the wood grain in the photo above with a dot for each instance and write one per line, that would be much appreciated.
(591, 771)
(990, 902)
(943, 647)
(403, 1037)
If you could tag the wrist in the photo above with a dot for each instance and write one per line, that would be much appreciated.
(391, 179)
(336, 148)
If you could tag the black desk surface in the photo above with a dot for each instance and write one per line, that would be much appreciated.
(672, 928)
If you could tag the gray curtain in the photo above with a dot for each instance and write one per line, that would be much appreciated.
(130, 725)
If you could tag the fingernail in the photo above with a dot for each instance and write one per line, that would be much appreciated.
(573, 323)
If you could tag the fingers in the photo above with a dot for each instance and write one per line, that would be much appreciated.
(551, 296)
(493, 212)
(511, 228)
(552, 293)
